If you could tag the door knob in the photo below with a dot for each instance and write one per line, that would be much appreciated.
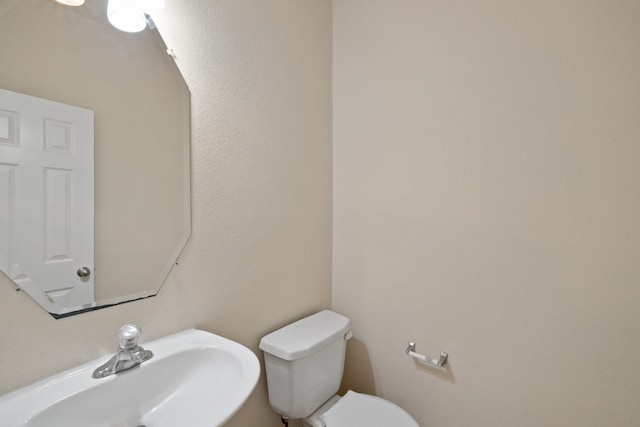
(84, 272)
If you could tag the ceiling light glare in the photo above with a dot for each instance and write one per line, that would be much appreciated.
(71, 2)
(126, 15)
(152, 6)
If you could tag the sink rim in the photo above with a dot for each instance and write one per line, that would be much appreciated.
(17, 408)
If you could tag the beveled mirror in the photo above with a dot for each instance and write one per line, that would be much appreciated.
(73, 56)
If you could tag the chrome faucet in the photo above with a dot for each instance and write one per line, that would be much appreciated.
(129, 353)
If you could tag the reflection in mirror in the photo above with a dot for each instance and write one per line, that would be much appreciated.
(46, 199)
(71, 55)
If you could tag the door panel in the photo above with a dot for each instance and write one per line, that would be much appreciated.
(46, 191)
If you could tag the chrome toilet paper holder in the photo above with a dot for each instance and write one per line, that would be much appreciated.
(438, 363)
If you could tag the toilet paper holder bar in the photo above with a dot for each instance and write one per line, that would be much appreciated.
(439, 363)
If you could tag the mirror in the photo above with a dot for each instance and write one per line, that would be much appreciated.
(72, 55)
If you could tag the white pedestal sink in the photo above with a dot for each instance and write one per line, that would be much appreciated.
(195, 379)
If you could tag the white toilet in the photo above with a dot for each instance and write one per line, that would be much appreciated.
(305, 362)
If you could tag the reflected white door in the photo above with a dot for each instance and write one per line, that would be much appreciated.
(46, 200)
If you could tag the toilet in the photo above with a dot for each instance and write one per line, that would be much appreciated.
(305, 362)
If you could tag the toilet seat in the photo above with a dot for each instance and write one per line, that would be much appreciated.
(356, 409)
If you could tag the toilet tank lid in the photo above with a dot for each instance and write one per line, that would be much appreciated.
(305, 336)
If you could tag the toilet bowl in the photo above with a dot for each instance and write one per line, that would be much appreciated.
(304, 363)
(357, 409)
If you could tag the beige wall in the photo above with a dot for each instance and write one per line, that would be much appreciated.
(259, 256)
(487, 203)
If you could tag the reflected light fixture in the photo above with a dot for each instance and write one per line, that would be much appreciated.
(71, 2)
(132, 15)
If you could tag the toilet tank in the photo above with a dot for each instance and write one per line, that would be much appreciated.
(305, 362)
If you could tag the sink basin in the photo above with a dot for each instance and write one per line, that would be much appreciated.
(195, 379)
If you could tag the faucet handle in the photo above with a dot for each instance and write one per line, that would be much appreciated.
(129, 336)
